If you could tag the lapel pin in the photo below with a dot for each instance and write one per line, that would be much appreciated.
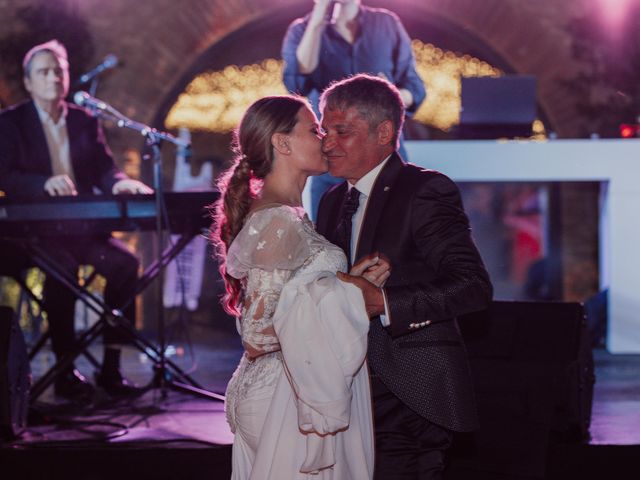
(386, 189)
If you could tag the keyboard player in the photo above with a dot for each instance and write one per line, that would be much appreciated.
(49, 147)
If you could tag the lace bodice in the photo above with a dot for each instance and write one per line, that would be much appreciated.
(276, 244)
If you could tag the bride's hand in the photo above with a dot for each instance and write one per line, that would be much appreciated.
(372, 295)
(375, 267)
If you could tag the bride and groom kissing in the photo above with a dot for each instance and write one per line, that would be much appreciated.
(338, 362)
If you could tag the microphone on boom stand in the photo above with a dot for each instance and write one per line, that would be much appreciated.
(100, 108)
(110, 61)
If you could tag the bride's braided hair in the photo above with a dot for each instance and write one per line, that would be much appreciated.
(240, 184)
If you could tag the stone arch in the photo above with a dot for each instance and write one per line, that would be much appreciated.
(515, 38)
(159, 43)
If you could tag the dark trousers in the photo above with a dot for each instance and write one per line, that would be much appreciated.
(408, 446)
(113, 261)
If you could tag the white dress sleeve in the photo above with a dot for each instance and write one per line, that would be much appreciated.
(322, 325)
(271, 239)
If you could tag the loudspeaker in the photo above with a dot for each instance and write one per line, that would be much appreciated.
(532, 369)
(497, 107)
(15, 376)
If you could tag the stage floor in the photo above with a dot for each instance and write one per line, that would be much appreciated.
(210, 361)
(182, 434)
(615, 417)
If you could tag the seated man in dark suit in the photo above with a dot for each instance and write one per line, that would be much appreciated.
(49, 147)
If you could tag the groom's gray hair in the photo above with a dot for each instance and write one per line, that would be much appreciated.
(375, 98)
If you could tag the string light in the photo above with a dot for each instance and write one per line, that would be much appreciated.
(441, 72)
(214, 101)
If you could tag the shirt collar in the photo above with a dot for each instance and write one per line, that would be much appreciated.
(365, 184)
(45, 117)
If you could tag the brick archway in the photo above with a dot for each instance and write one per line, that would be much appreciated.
(159, 41)
(157, 60)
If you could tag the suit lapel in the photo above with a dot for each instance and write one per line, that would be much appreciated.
(74, 145)
(382, 188)
(329, 213)
(39, 146)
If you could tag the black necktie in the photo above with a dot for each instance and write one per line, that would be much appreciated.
(343, 230)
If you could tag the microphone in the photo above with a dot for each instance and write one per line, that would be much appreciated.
(330, 14)
(109, 61)
(85, 100)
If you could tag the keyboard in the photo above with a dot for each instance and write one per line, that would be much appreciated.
(97, 214)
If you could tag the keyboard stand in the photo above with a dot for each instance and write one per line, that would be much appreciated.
(49, 266)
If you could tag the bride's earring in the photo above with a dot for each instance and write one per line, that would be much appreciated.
(281, 143)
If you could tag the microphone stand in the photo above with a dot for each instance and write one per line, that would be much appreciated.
(153, 139)
(154, 142)
(93, 86)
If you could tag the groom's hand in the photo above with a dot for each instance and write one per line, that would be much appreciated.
(375, 267)
(373, 296)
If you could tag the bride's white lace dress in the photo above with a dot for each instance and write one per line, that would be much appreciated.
(299, 401)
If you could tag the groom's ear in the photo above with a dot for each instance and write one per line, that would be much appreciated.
(280, 142)
(385, 132)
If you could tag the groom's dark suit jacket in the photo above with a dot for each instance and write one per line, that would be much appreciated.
(25, 164)
(415, 217)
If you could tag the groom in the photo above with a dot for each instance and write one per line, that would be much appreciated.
(420, 379)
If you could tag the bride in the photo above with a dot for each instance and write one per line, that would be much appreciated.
(299, 401)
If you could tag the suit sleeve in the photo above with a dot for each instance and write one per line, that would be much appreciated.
(441, 234)
(12, 181)
(322, 217)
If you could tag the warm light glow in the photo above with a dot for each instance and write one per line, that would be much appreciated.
(629, 131)
(539, 132)
(215, 101)
(614, 11)
(441, 72)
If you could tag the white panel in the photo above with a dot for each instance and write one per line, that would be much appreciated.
(616, 162)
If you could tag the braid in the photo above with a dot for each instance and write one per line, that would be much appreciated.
(237, 199)
(229, 215)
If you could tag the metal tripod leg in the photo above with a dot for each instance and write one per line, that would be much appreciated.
(51, 267)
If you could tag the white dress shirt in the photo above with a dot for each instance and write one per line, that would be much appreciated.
(58, 142)
(364, 186)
